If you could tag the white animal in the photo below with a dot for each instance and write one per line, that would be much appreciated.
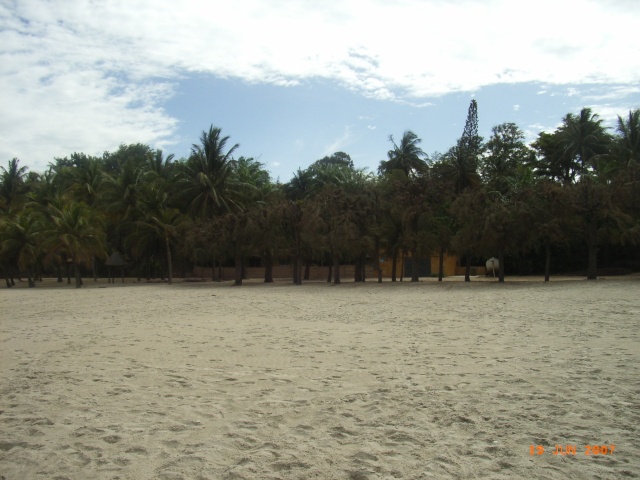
(493, 265)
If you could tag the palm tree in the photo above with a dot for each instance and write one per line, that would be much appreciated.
(459, 169)
(468, 210)
(576, 153)
(552, 223)
(584, 139)
(628, 139)
(407, 157)
(301, 185)
(87, 182)
(248, 171)
(553, 161)
(257, 226)
(208, 187)
(11, 182)
(299, 214)
(158, 166)
(122, 192)
(77, 232)
(21, 240)
(163, 224)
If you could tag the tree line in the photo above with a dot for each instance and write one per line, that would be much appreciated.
(572, 195)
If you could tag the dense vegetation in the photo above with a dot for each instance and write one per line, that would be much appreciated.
(563, 203)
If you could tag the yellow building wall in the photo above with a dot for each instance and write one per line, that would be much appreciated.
(450, 263)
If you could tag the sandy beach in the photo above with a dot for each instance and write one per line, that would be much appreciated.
(355, 381)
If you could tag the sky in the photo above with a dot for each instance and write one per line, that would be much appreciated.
(292, 81)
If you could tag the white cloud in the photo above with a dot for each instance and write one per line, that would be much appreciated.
(341, 143)
(79, 75)
(615, 92)
(516, 108)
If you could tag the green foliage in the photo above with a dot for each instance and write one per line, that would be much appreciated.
(574, 188)
(406, 157)
(208, 186)
(506, 158)
(11, 184)
(627, 143)
(21, 239)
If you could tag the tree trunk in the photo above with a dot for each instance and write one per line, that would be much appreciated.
(357, 270)
(501, 265)
(268, 267)
(394, 263)
(547, 261)
(59, 270)
(30, 279)
(377, 258)
(169, 262)
(467, 269)
(68, 274)
(415, 277)
(592, 243)
(298, 272)
(6, 279)
(336, 270)
(592, 269)
(76, 269)
(330, 275)
(441, 264)
(238, 265)
(93, 268)
(402, 266)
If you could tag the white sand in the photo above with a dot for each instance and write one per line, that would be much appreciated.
(408, 381)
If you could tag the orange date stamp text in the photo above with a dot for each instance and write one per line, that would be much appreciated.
(573, 450)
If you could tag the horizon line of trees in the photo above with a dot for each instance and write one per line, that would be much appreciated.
(573, 192)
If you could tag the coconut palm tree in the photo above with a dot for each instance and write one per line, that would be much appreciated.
(553, 161)
(77, 232)
(87, 182)
(627, 143)
(11, 183)
(208, 186)
(584, 139)
(407, 157)
(122, 192)
(577, 153)
(157, 166)
(301, 185)
(21, 241)
(163, 225)
(459, 169)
